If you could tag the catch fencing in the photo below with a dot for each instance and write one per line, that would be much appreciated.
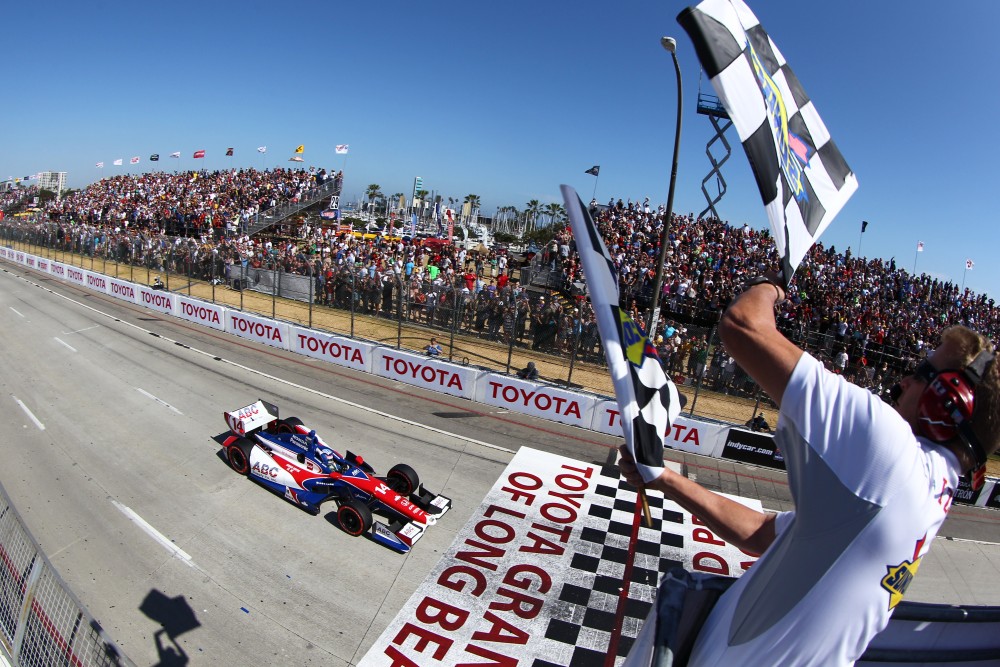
(42, 624)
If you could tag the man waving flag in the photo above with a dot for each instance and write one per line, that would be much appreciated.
(803, 179)
(647, 401)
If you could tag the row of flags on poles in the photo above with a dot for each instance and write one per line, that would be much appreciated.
(340, 149)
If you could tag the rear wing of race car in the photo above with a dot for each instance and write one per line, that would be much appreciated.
(251, 418)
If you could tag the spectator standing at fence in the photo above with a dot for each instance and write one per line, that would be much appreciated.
(871, 485)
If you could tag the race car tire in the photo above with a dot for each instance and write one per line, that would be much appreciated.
(355, 518)
(288, 425)
(402, 479)
(238, 455)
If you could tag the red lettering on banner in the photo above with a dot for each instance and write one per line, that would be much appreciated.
(398, 659)
(156, 300)
(493, 509)
(200, 312)
(427, 374)
(58, 270)
(123, 290)
(425, 637)
(435, 612)
(96, 281)
(485, 551)
(516, 495)
(258, 329)
(540, 401)
(43, 265)
(520, 604)
(500, 631)
(450, 579)
(705, 561)
(74, 274)
(331, 349)
(503, 534)
(705, 536)
(541, 545)
(31, 262)
(692, 434)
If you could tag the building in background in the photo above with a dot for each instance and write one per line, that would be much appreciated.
(52, 180)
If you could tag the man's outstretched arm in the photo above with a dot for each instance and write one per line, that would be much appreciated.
(751, 336)
(746, 528)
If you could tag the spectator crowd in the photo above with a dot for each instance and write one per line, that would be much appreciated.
(867, 319)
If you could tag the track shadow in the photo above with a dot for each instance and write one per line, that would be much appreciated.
(175, 617)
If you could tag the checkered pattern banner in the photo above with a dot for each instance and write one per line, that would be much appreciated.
(803, 179)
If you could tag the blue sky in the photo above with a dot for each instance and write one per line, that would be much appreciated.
(508, 100)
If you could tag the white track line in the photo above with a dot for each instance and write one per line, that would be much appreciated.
(58, 340)
(40, 425)
(15, 310)
(161, 402)
(154, 533)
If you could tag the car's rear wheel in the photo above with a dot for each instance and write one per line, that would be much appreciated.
(288, 425)
(354, 516)
(238, 455)
(402, 479)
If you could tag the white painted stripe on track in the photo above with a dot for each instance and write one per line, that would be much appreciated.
(154, 533)
(310, 390)
(160, 401)
(32, 417)
(59, 340)
(15, 311)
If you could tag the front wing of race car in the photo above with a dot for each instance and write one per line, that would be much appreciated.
(401, 535)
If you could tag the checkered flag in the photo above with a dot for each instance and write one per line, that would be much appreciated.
(647, 400)
(803, 179)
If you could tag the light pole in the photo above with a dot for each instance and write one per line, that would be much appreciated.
(670, 44)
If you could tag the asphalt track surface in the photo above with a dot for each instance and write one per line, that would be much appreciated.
(112, 457)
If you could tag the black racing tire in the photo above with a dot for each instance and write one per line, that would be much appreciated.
(238, 455)
(402, 479)
(355, 517)
(288, 425)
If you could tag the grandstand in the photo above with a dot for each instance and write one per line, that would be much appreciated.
(866, 318)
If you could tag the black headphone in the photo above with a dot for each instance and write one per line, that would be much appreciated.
(946, 406)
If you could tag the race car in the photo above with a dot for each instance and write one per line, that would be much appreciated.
(287, 457)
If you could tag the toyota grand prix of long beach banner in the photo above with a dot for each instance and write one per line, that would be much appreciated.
(537, 575)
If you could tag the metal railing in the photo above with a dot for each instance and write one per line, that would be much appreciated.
(41, 622)
(273, 216)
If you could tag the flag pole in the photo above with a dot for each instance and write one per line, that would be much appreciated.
(963, 275)
(594, 196)
(915, 253)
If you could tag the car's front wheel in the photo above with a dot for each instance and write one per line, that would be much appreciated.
(355, 517)
(238, 455)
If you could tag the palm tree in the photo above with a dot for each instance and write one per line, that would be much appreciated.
(373, 192)
(534, 207)
(473, 202)
(556, 213)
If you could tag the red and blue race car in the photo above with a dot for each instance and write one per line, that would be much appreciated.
(292, 460)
